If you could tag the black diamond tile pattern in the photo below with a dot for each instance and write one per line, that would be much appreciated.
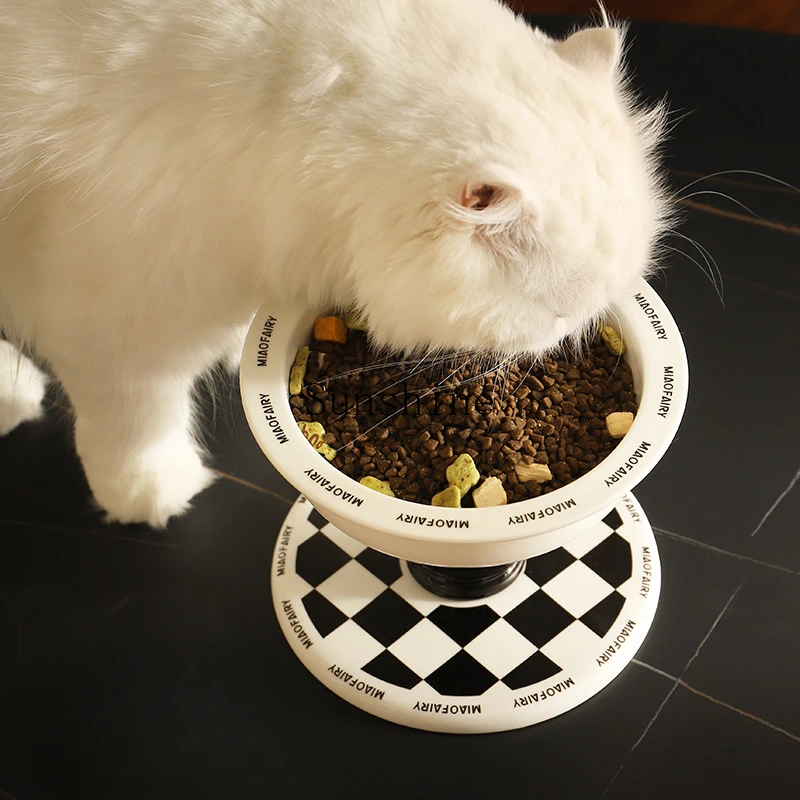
(387, 667)
(600, 618)
(545, 567)
(318, 558)
(613, 519)
(387, 568)
(387, 617)
(611, 560)
(324, 614)
(461, 676)
(317, 519)
(463, 624)
(539, 618)
(537, 667)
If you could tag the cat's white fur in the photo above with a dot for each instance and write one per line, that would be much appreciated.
(167, 165)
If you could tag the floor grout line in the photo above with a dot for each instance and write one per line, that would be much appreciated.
(777, 503)
(763, 286)
(654, 669)
(675, 683)
(736, 216)
(705, 546)
(738, 710)
(706, 696)
(242, 482)
(711, 630)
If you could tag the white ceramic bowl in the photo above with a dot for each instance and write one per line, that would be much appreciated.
(468, 536)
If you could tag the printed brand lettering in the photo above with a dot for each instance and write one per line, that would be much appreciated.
(545, 694)
(548, 511)
(296, 625)
(360, 686)
(432, 522)
(631, 509)
(666, 392)
(615, 646)
(263, 341)
(283, 549)
(647, 572)
(444, 708)
(330, 486)
(272, 420)
(632, 461)
(651, 314)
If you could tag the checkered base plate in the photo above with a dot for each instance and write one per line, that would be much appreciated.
(555, 637)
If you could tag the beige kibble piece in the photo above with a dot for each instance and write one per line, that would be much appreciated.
(377, 485)
(613, 340)
(489, 493)
(533, 472)
(448, 498)
(463, 473)
(619, 423)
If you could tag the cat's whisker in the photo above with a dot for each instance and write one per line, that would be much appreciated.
(705, 270)
(714, 175)
(721, 194)
(710, 261)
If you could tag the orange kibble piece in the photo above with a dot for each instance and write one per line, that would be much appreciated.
(330, 329)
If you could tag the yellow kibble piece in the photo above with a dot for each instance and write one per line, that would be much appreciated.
(296, 377)
(489, 493)
(330, 329)
(463, 473)
(327, 451)
(298, 372)
(533, 472)
(315, 433)
(448, 498)
(354, 322)
(613, 340)
(619, 423)
(377, 485)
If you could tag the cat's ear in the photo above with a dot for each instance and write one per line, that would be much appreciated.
(489, 201)
(595, 50)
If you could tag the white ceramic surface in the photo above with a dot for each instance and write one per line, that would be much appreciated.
(468, 536)
(559, 634)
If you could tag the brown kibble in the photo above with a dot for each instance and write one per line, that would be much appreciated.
(549, 416)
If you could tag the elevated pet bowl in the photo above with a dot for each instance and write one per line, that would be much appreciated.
(350, 562)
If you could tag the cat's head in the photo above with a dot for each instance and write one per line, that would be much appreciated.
(523, 201)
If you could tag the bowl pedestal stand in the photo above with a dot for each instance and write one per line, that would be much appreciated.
(466, 650)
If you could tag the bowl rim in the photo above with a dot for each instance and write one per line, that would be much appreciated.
(653, 341)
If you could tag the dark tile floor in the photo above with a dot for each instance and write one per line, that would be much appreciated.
(135, 663)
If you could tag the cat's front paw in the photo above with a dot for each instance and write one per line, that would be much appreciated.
(22, 388)
(152, 490)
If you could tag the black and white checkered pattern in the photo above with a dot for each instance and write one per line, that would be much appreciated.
(366, 604)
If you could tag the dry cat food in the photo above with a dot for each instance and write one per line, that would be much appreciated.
(459, 432)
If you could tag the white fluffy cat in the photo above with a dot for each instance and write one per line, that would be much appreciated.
(167, 165)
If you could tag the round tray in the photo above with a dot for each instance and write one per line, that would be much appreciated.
(563, 630)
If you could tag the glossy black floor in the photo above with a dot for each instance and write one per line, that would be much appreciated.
(140, 664)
